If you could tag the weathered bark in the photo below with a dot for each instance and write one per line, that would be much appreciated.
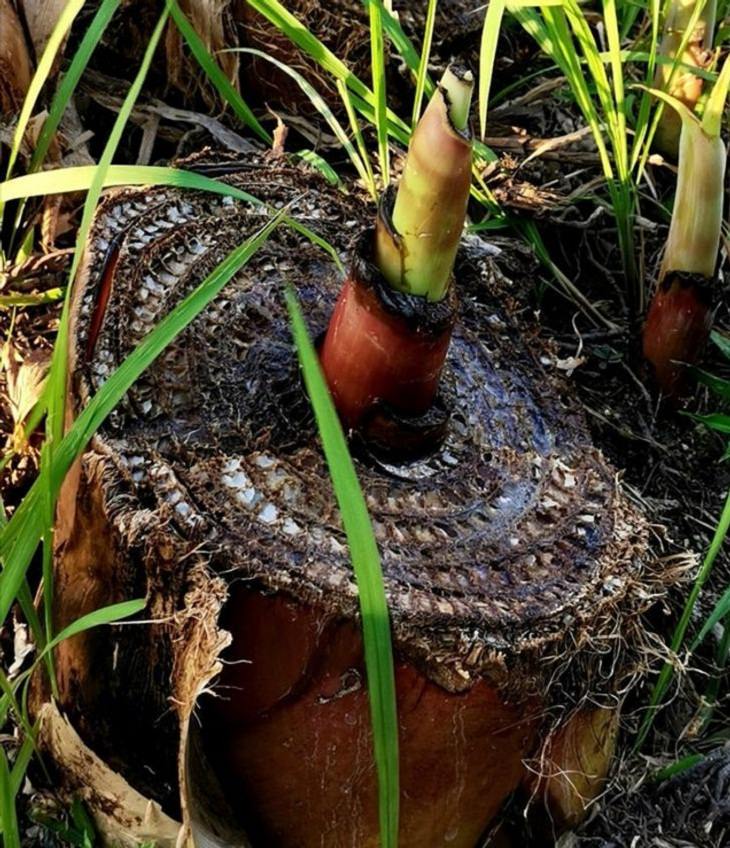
(341, 25)
(511, 559)
(15, 63)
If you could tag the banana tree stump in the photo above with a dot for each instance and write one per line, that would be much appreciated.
(511, 559)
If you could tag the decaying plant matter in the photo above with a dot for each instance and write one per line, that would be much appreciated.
(690, 808)
(511, 559)
(15, 64)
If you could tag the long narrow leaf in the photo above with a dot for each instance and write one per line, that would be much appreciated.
(20, 766)
(369, 576)
(319, 104)
(8, 815)
(377, 61)
(56, 387)
(294, 29)
(65, 90)
(487, 55)
(106, 615)
(80, 178)
(70, 80)
(355, 127)
(423, 61)
(720, 611)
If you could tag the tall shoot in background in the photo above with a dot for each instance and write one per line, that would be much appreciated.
(680, 315)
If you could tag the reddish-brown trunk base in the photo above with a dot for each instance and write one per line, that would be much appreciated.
(290, 734)
(676, 330)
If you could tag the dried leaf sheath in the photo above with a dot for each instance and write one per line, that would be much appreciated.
(15, 63)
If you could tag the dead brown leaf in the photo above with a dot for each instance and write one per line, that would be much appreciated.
(25, 381)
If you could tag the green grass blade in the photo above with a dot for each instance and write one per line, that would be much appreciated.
(319, 104)
(487, 55)
(403, 45)
(10, 301)
(423, 61)
(65, 90)
(678, 767)
(48, 514)
(8, 815)
(105, 615)
(645, 58)
(377, 61)
(721, 342)
(714, 690)
(717, 385)
(293, 28)
(322, 165)
(113, 140)
(355, 127)
(552, 34)
(20, 766)
(45, 66)
(720, 611)
(81, 177)
(215, 73)
(667, 672)
(599, 77)
(366, 565)
(7, 689)
(643, 122)
(19, 539)
(55, 392)
(717, 421)
(618, 98)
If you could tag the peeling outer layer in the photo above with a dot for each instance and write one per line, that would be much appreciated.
(677, 328)
(514, 567)
(384, 348)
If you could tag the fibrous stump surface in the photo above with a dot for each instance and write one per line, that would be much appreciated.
(507, 545)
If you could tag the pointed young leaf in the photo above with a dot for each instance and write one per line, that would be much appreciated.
(715, 106)
(368, 573)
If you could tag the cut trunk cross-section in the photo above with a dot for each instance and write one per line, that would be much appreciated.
(510, 558)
